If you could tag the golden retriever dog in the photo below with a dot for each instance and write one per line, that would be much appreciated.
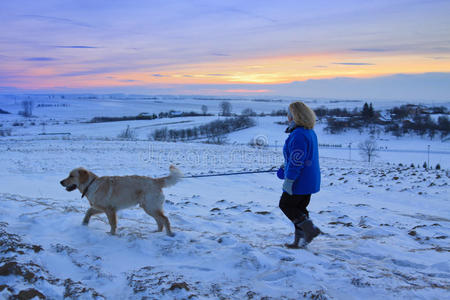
(108, 194)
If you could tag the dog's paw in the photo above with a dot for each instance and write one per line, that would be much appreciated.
(171, 234)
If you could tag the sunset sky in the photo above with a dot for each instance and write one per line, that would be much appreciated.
(216, 47)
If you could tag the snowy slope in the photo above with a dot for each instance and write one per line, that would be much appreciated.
(386, 227)
(70, 114)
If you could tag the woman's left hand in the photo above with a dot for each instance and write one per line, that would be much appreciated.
(287, 186)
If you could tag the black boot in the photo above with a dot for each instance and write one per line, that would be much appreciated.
(299, 234)
(309, 230)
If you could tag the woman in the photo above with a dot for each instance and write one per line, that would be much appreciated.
(301, 172)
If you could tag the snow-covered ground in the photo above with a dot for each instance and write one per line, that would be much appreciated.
(70, 115)
(386, 227)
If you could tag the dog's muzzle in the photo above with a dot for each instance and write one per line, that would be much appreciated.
(71, 187)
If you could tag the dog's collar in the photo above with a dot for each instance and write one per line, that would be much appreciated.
(86, 189)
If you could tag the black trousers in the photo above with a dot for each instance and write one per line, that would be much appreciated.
(294, 206)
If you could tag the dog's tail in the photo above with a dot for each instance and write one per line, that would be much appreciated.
(174, 176)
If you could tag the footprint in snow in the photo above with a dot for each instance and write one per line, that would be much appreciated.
(276, 275)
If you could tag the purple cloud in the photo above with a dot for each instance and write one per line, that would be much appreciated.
(219, 54)
(353, 64)
(371, 49)
(56, 20)
(40, 59)
(77, 47)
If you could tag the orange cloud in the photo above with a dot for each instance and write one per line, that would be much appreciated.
(261, 70)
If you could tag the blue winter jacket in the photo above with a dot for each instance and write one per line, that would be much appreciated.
(301, 161)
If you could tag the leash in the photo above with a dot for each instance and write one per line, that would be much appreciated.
(271, 170)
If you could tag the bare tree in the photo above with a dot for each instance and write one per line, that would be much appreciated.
(248, 112)
(204, 109)
(128, 134)
(27, 106)
(225, 107)
(368, 149)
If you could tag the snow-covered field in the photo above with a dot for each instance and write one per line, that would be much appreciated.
(386, 227)
(71, 114)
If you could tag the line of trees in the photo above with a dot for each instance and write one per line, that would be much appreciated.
(341, 119)
(225, 109)
(408, 111)
(161, 115)
(53, 105)
(410, 118)
(400, 120)
(421, 125)
(213, 131)
(322, 112)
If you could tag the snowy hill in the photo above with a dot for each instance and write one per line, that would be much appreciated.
(386, 227)
(70, 114)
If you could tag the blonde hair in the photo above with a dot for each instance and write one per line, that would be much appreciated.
(302, 114)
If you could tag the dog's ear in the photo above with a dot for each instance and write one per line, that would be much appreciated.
(83, 176)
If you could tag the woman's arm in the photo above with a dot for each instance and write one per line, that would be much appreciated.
(297, 155)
